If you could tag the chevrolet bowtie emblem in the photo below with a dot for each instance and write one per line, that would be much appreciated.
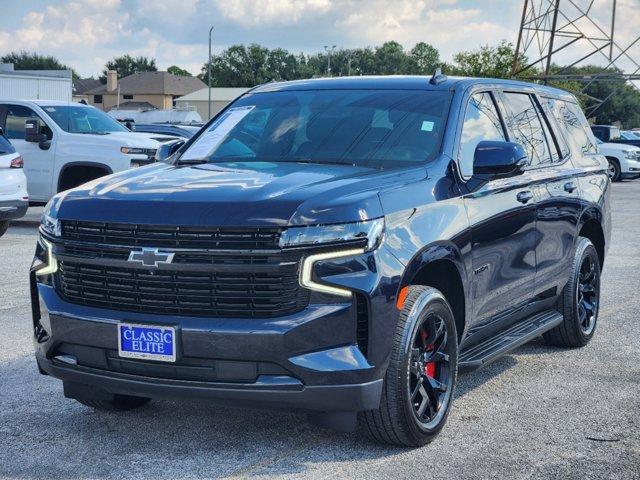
(150, 257)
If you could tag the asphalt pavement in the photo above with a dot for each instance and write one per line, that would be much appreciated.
(540, 412)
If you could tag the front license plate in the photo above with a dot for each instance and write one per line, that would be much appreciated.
(147, 342)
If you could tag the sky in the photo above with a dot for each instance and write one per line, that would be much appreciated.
(85, 34)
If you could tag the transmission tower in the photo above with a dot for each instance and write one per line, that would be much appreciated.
(571, 28)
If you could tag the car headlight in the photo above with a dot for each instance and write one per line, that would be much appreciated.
(367, 232)
(361, 237)
(133, 150)
(630, 153)
(50, 225)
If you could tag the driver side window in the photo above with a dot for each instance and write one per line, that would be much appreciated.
(17, 115)
(481, 122)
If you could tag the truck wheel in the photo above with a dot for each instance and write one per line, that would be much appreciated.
(580, 300)
(119, 403)
(419, 382)
(3, 227)
(614, 170)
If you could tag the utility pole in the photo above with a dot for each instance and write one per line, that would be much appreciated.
(209, 72)
(329, 51)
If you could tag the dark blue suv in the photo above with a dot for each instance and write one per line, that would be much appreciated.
(339, 247)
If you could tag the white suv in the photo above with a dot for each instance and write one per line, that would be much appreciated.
(624, 160)
(66, 144)
(13, 185)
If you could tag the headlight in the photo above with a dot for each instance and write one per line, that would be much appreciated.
(50, 225)
(133, 150)
(368, 232)
(630, 153)
(361, 237)
(51, 264)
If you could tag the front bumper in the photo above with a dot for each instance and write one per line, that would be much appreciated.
(13, 209)
(307, 361)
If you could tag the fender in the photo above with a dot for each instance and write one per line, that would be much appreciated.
(66, 166)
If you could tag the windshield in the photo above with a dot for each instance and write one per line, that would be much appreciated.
(378, 128)
(630, 135)
(83, 120)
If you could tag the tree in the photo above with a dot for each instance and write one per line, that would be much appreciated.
(487, 61)
(23, 60)
(390, 59)
(424, 59)
(175, 70)
(127, 65)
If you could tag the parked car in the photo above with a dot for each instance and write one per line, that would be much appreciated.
(176, 130)
(613, 134)
(13, 185)
(66, 144)
(345, 254)
(630, 135)
(624, 160)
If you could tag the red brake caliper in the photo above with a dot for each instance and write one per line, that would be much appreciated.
(429, 368)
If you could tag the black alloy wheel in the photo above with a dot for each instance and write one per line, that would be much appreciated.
(431, 379)
(587, 293)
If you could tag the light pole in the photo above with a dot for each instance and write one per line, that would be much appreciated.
(209, 71)
(329, 51)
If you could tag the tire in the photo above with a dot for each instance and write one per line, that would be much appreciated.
(398, 420)
(614, 171)
(579, 323)
(3, 227)
(119, 403)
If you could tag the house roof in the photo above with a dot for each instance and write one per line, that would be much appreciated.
(82, 85)
(217, 95)
(149, 83)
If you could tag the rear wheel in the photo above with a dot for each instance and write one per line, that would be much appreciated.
(580, 300)
(3, 227)
(614, 171)
(119, 403)
(419, 383)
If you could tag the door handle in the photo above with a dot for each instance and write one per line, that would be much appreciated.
(569, 187)
(524, 197)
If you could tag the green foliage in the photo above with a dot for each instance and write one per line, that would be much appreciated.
(176, 70)
(127, 65)
(487, 61)
(23, 60)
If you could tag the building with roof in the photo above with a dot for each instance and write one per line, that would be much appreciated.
(81, 86)
(34, 84)
(159, 89)
(220, 98)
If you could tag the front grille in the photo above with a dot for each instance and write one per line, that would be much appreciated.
(171, 236)
(201, 293)
(256, 281)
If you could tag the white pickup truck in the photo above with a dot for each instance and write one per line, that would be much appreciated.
(66, 144)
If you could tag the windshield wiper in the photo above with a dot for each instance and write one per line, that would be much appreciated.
(94, 133)
(192, 161)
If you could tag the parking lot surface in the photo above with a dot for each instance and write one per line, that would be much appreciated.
(540, 412)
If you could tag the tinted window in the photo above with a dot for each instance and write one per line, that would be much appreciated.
(481, 122)
(17, 115)
(383, 128)
(574, 124)
(527, 128)
(5, 146)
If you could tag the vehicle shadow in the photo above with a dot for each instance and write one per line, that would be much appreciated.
(44, 435)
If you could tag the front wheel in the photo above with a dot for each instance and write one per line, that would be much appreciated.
(420, 379)
(614, 171)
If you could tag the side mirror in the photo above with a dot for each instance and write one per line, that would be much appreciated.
(494, 159)
(175, 146)
(32, 131)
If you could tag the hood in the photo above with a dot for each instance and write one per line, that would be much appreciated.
(617, 147)
(234, 194)
(121, 139)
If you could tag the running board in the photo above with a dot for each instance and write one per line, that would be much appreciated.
(507, 340)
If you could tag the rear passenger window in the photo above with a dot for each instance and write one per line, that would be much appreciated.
(528, 128)
(574, 125)
(481, 122)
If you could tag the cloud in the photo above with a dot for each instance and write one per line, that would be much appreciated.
(85, 34)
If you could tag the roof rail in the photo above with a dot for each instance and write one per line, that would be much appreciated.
(438, 77)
